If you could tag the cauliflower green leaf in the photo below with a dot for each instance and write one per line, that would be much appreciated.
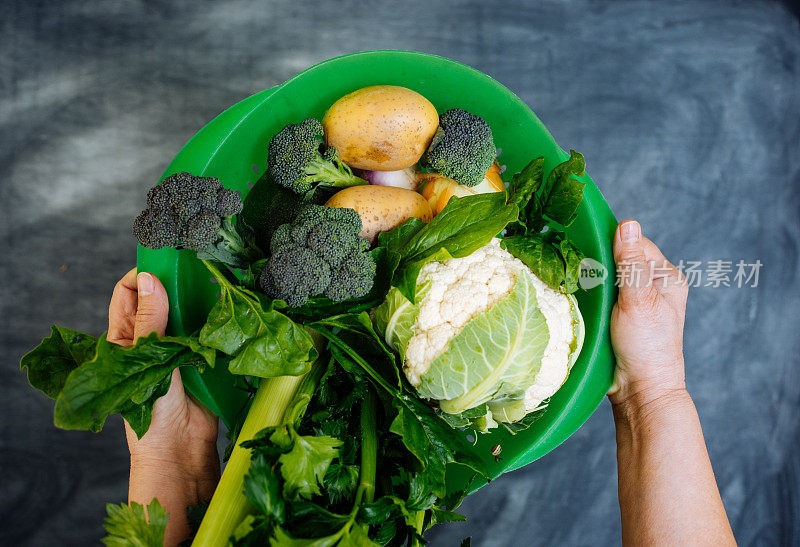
(495, 357)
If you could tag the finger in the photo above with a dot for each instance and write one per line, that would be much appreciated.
(633, 271)
(152, 306)
(122, 310)
(174, 396)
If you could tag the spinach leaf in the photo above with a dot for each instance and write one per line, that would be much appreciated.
(50, 363)
(464, 225)
(394, 240)
(522, 188)
(128, 525)
(555, 199)
(563, 193)
(263, 341)
(125, 379)
(551, 257)
(139, 415)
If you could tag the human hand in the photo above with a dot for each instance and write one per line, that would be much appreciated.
(647, 321)
(176, 461)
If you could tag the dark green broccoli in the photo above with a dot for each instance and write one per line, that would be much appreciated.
(297, 160)
(462, 148)
(320, 253)
(186, 211)
(269, 205)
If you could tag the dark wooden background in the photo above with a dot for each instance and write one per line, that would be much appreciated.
(688, 114)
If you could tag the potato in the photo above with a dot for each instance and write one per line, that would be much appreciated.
(381, 208)
(381, 127)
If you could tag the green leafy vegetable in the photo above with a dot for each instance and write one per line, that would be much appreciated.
(432, 441)
(262, 488)
(262, 341)
(524, 185)
(91, 378)
(50, 363)
(562, 193)
(125, 379)
(556, 199)
(551, 256)
(304, 467)
(464, 225)
(135, 525)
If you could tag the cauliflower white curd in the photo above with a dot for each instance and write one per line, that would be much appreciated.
(461, 288)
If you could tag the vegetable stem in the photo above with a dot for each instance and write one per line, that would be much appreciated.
(338, 342)
(218, 274)
(229, 505)
(369, 458)
(419, 522)
(369, 450)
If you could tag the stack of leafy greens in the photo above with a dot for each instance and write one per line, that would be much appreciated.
(336, 448)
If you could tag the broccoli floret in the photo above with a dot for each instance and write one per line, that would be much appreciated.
(355, 276)
(462, 148)
(335, 242)
(319, 253)
(200, 231)
(186, 211)
(155, 231)
(297, 160)
(295, 273)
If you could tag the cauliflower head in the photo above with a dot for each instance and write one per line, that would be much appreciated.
(484, 329)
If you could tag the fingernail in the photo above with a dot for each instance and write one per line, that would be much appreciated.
(630, 231)
(144, 284)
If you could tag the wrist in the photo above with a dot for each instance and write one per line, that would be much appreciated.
(178, 464)
(638, 383)
(640, 407)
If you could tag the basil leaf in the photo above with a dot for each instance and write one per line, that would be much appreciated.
(50, 363)
(464, 226)
(119, 378)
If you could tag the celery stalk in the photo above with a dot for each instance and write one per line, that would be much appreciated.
(229, 505)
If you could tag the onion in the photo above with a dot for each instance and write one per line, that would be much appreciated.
(407, 178)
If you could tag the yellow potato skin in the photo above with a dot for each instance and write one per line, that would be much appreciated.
(381, 208)
(381, 127)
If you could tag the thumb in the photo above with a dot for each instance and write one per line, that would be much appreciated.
(633, 271)
(152, 306)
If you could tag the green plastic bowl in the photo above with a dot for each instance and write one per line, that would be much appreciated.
(233, 147)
